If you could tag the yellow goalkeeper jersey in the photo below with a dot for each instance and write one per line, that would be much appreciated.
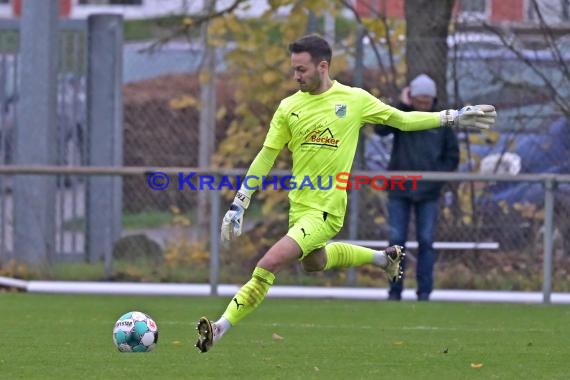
(322, 131)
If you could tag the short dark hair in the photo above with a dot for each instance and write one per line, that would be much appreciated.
(317, 47)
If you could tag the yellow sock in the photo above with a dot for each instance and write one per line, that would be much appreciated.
(343, 255)
(250, 296)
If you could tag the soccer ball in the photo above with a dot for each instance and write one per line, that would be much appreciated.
(135, 332)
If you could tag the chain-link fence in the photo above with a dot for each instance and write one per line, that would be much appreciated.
(166, 245)
(527, 84)
(489, 235)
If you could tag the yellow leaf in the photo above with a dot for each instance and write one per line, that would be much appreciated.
(476, 365)
(233, 24)
(277, 336)
(217, 42)
(221, 113)
(180, 220)
(183, 101)
(270, 77)
(204, 76)
(486, 137)
(379, 219)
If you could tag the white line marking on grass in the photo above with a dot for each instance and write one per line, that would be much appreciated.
(471, 329)
(404, 328)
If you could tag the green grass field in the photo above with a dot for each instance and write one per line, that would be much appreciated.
(69, 337)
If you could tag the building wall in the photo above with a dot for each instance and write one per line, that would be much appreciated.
(495, 10)
(148, 9)
(507, 10)
(392, 8)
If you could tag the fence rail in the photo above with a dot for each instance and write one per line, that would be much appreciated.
(550, 183)
(145, 170)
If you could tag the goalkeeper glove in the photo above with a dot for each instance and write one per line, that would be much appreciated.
(233, 220)
(481, 116)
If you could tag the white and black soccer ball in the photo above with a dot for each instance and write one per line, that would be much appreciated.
(135, 332)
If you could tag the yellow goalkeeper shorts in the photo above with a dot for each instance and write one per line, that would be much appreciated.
(312, 229)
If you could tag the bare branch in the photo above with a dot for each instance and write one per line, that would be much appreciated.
(192, 23)
(551, 40)
(348, 5)
(392, 65)
(200, 19)
(558, 98)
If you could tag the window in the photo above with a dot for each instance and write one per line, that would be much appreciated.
(551, 12)
(473, 6)
(110, 2)
(472, 10)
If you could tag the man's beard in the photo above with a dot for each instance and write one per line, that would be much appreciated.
(312, 85)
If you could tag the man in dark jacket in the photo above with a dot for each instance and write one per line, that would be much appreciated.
(428, 150)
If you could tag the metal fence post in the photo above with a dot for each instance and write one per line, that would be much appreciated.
(35, 196)
(214, 242)
(105, 129)
(352, 230)
(359, 157)
(549, 186)
(207, 121)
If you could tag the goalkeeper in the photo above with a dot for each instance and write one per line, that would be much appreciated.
(320, 125)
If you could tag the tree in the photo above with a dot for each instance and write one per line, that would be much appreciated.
(427, 25)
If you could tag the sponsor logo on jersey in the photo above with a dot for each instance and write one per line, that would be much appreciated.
(321, 137)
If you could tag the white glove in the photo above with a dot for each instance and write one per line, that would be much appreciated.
(481, 116)
(233, 220)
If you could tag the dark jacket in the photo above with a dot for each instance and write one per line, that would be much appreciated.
(429, 150)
